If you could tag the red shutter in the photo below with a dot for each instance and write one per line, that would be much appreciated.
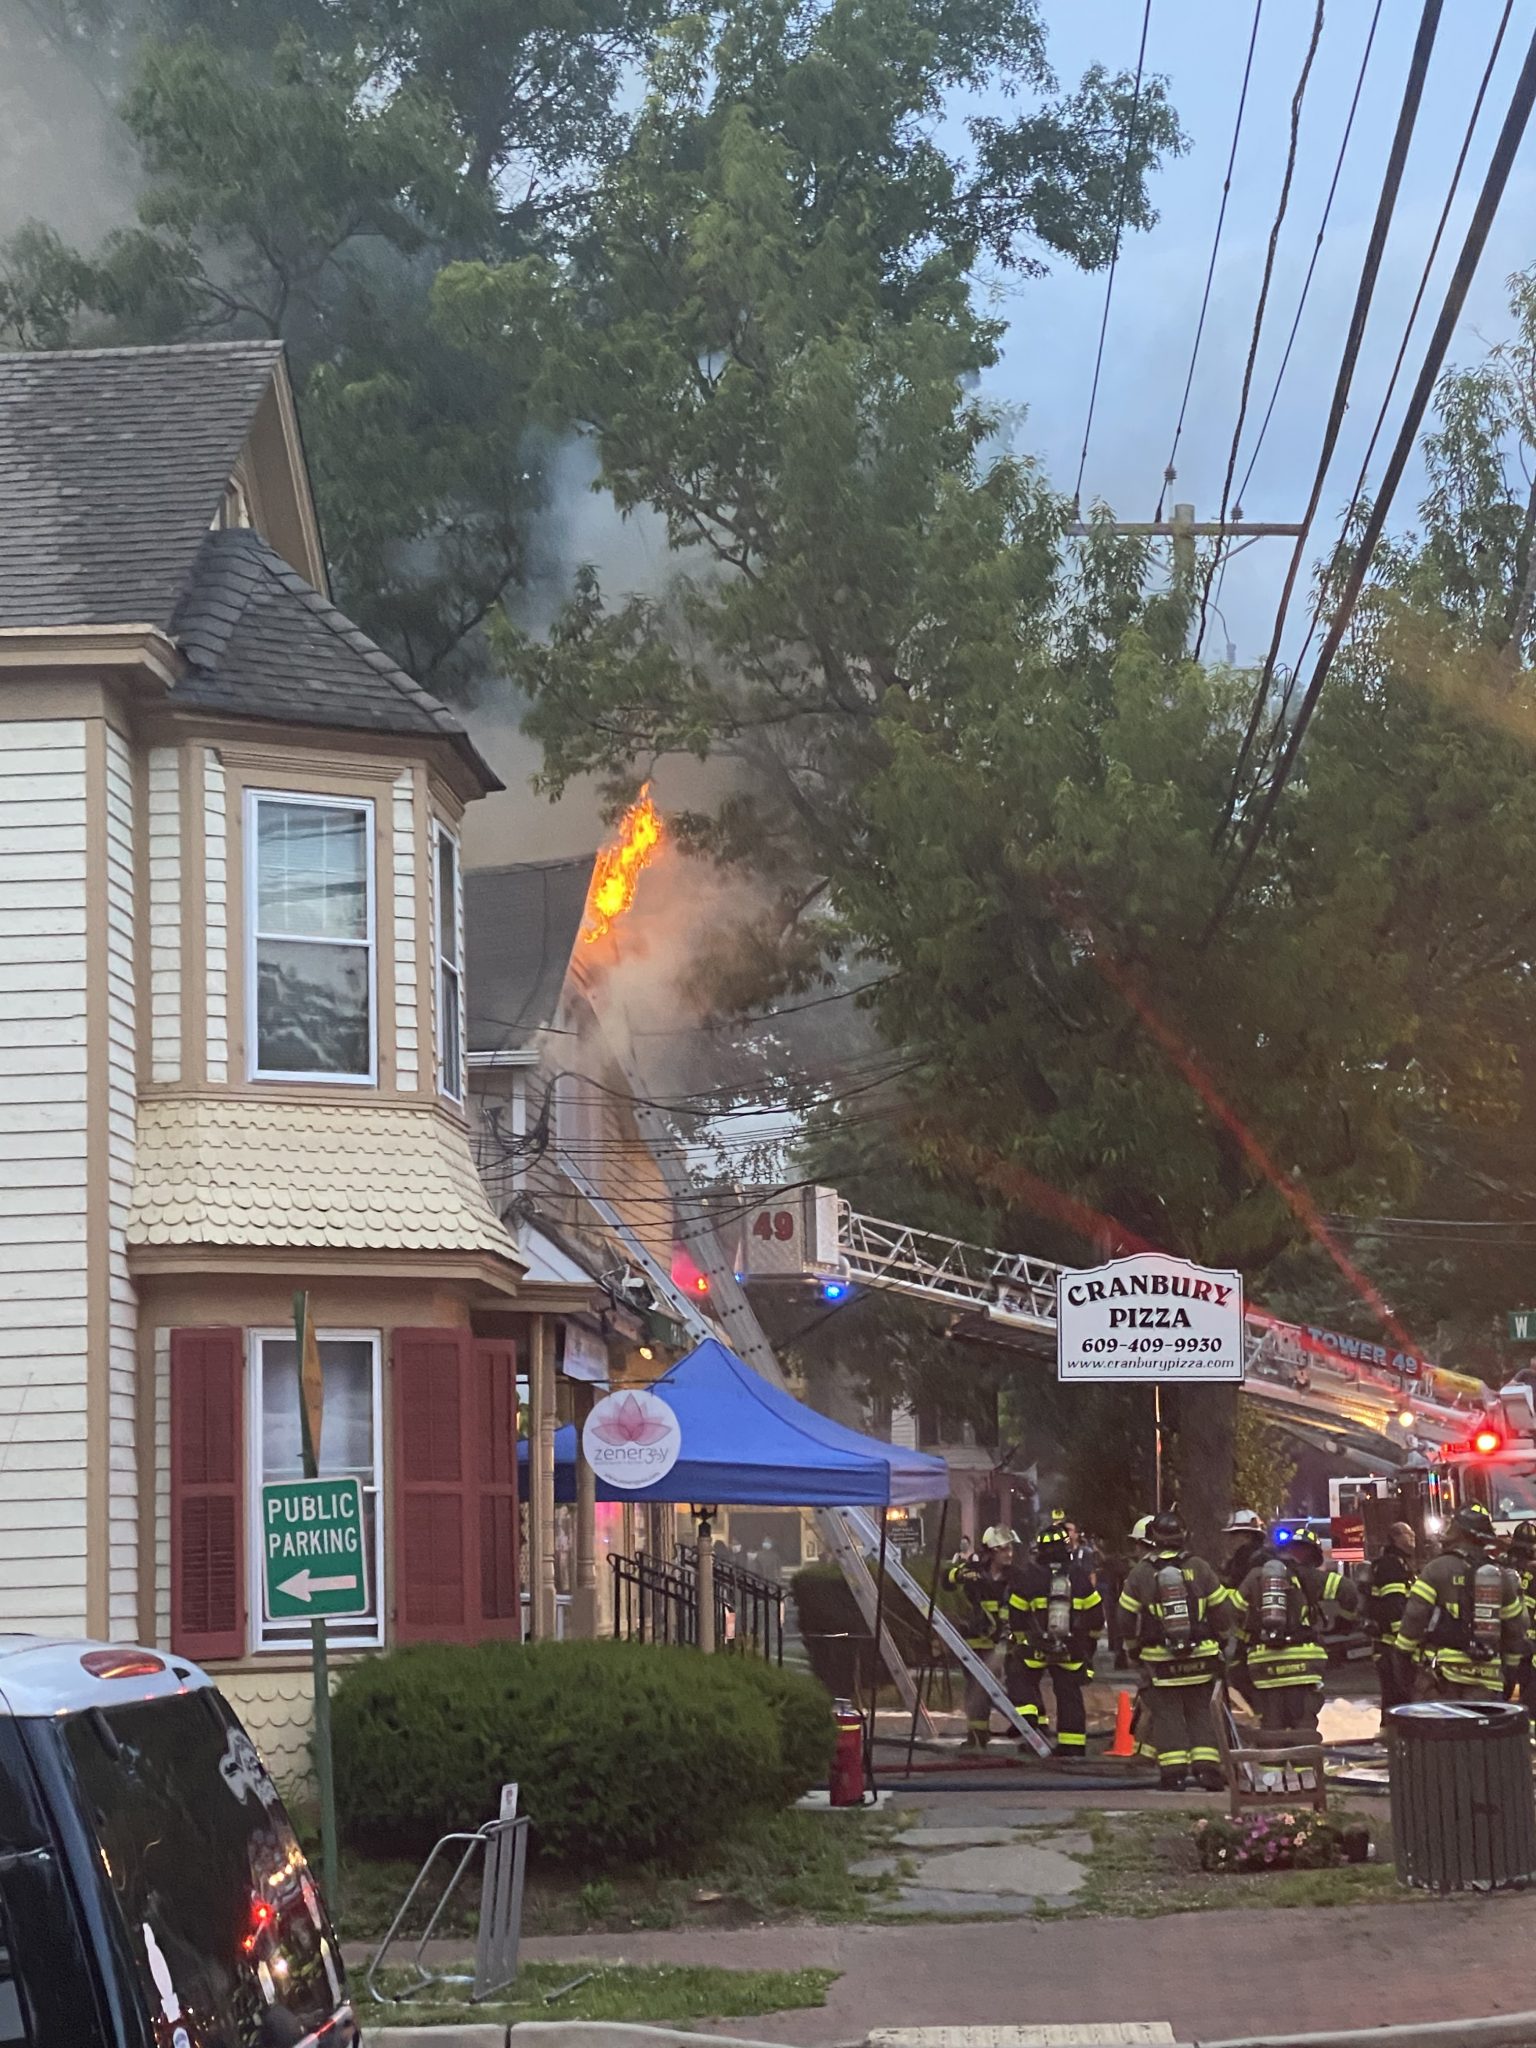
(207, 1493)
(493, 1371)
(436, 1517)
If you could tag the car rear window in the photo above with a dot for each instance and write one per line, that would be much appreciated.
(223, 1917)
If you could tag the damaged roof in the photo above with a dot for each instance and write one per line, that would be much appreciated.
(114, 464)
(521, 925)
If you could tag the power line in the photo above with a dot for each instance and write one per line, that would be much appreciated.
(1391, 183)
(1114, 258)
(1497, 177)
(1317, 250)
(1278, 725)
(1169, 471)
(1298, 99)
(1434, 250)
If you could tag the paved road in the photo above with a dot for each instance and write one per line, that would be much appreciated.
(1209, 1974)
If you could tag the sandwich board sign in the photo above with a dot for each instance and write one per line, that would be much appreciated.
(1149, 1317)
(313, 1557)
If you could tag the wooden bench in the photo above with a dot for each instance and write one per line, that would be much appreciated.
(1242, 1767)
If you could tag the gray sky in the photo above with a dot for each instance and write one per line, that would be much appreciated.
(1200, 46)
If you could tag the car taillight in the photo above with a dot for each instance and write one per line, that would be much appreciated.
(121, 1664)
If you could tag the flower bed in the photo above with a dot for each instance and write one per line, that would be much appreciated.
(1278, 1841)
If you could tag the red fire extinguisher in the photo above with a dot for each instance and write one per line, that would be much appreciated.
(845, 1786)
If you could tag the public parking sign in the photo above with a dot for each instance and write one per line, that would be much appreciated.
(314, 1561)
(1149, 1317)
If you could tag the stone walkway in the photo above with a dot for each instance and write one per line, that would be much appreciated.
(1008, 1869)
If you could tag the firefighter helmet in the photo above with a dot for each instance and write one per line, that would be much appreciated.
(1167, 1530)
(1475, 1521)
(1053, 1545)
(1304, 1542)
(1244, 1522)
(1141, 1529)
(999, 1538)
(1522, 1540)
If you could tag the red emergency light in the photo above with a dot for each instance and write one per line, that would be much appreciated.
(686, 1275)
(1486, 1442)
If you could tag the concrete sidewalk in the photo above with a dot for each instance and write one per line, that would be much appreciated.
(1209, 1974)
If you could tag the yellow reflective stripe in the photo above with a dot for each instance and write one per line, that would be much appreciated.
(1087, 1600)
(1510, 1609)
(1131, 1606)
(1423, 1590)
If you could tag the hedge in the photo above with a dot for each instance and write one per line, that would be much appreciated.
(624, 1752)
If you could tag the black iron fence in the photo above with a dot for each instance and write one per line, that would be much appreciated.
(749, 1609)
(658, 1602)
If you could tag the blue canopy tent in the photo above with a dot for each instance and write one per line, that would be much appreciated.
(745, 1444)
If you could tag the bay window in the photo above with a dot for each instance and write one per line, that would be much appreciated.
(450, 1032)
(310, 973)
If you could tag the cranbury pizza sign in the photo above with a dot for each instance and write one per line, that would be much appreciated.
(1149, 1317)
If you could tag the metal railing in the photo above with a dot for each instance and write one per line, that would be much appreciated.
(653, 1602)
(749, 1609)
(658, 1602)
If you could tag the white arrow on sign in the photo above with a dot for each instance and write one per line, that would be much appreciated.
(302, 1587)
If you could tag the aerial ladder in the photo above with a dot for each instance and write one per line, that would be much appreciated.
(812, 1232)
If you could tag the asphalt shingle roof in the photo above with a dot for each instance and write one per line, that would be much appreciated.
(113, 462)
(261, 643)
(113, 465)
(521, 925)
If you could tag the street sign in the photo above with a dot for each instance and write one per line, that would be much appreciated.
(906, 1532)
(1149, 1317)
(314, 1560)
(1522, 1326)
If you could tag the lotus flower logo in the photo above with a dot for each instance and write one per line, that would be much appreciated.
(628, 1423)
(631, 1439)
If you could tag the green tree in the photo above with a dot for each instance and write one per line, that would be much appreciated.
(983, 758)
(308, 169)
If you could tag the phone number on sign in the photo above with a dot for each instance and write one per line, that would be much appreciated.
(1137, 1346)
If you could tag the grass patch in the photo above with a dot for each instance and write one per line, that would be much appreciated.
(781, 1866)
(1144, 1864)
(658, 1993)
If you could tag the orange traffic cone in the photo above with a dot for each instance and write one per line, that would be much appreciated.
(1123, 1745)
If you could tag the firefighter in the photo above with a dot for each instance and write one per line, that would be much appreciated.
(983, 1579)
(1286, 1602)
(1392, 1573)
(1520, 1557)
(1250, 1546)
(1057, 1619)
(1176, 1609)
(1464, 1618)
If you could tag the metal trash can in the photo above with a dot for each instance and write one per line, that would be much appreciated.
(1463, 1811)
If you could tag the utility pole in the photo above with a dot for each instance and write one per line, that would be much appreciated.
(1183, 529)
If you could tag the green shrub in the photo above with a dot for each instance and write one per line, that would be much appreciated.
(624, 1751)
(803, 1710)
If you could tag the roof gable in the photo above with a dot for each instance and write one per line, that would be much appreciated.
(114, 463)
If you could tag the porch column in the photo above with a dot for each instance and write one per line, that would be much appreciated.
(583, 1614)
(541, 1403)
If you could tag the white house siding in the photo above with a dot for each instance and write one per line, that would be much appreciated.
(122, 1089)
(407, 996)
(164, 855)
(43, 1139)
(216, 891)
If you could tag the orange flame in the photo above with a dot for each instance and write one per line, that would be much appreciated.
(620, 866)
